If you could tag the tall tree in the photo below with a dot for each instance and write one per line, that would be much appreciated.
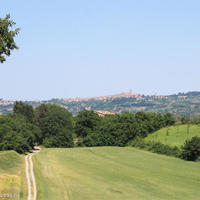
(25, 110)
(86, 121)
(55, 123)
(7, 34)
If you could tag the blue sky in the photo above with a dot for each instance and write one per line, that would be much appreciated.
(93, 48)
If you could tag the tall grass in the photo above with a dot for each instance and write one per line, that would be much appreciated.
(12, 175)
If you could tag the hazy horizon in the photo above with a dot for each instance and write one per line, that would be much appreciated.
(96, 96)
(92, 48)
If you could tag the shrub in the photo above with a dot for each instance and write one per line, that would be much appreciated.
(164, 149)
(155, 147)
(191, 149)
(138, 143)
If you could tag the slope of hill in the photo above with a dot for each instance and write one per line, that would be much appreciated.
(12, 175)
(114, 173)
(187, 104)
(174, 135)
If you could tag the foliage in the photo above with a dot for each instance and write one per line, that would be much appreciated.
(164, 149)
(25, 110)
(86, 121)
(16, 134)
(169, 119)
(191, 149)
(7, 43)
(155, 147)
(184, 120)
(50, 125)
(117, 130)
(55, 124)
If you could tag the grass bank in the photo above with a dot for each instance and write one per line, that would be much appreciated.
(174, 135)
(105, 173)
(12, 175)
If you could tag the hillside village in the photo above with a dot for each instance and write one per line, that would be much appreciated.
(187, 104)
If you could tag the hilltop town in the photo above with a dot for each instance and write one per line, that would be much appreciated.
(179, 104)
(128, 94)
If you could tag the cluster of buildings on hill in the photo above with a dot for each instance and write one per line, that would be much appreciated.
(121, 95)
(6, 103)
(129, 94)
(103, 113)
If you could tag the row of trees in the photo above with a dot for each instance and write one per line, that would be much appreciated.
(53, 126)
(48, 125)
(117, 130)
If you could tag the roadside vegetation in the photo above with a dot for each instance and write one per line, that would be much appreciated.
(48, 125)
(12, 176)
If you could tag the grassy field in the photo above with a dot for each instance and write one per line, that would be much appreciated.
(175, 135)
(12, 175)
(106, 173)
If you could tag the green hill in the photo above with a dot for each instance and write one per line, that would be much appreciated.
(104, 173)
(174, 135)
(187, 104)
(12, 175)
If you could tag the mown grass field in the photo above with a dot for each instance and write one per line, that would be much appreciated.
(175, 135)
(12, 175)
(106, 173)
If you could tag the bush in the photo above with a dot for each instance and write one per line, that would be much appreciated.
(138, 143)
(164, 149)
(191, 149)
(155, 147)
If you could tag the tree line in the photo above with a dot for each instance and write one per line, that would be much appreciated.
(119, 129)
(48, 125)
(51, 125)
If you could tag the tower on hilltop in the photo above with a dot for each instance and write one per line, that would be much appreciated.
(130, 92)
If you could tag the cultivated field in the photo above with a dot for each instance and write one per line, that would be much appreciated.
(175, 135)
(106, 173)
(12, 176)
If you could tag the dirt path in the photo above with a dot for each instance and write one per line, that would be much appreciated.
(31, 183)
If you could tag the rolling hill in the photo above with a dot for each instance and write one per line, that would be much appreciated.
(187, 104)
(104, 173)
(174, 135)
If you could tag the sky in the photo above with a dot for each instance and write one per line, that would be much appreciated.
(100, 47)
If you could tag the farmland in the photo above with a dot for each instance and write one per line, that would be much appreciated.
(174, 135)
(103, 173)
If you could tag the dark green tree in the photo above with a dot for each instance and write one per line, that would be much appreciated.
(16, 134)
(86, 122)
(169, 119)
(7, 43)
(184, 120)
(25, 110)
(56, 127)
(191, 149)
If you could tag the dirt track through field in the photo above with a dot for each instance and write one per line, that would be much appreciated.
(31, 183)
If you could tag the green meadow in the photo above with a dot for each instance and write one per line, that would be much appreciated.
(12, 175)
(105, 173)
(174, 135)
